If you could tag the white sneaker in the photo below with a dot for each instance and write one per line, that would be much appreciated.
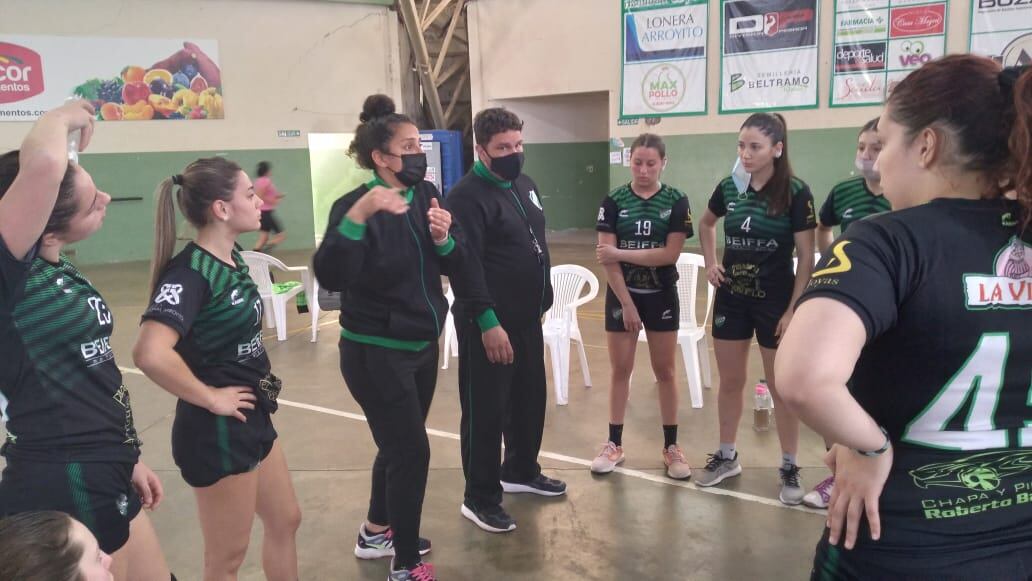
(820, 496)
(608, 459)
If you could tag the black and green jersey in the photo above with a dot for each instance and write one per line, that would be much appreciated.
(849, 201)
(217, 311)
(944, 291)
(758, 247)
(60, 389)
(642, 224)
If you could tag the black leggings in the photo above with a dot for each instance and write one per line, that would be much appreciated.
(394, 389)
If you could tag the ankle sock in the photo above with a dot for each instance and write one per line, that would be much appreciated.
(616, 434)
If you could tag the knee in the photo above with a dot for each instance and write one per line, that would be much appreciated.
(731, 385)
(665, 375)
(290, 521)
(225, 560)
(622, 373)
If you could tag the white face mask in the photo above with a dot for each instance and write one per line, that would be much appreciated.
(740, 176)
(866, 169)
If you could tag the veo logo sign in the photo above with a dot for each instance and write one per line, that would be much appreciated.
(914, 54)
(21, 73)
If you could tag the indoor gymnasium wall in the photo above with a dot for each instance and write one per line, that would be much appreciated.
(301, 65)
(533, 50)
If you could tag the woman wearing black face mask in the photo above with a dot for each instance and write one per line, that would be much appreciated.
(386, 246)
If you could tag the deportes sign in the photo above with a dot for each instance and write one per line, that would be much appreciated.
(769, 56)
(879, 42)
(763, 25)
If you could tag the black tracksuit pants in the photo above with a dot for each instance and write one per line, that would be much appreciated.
(394, 389)
(500, 400)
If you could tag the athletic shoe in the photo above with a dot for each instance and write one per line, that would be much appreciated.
(381, 545)
(608, 459)
(676, 466)
(820, 496)
(791, 490)
(421, 572)
(718, 469)
(492, 519)
(541, 485)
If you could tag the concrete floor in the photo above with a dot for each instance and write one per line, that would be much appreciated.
(636, 524)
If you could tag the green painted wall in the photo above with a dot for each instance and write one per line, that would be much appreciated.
(820, 157)
(572, 178)
(128, 230)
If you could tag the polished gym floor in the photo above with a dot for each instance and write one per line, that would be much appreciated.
(633, 524)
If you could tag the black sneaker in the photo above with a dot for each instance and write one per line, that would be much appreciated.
(541, 485)
(492, 519)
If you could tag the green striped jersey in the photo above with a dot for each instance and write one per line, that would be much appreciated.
(642, 224)
(60, 389)
(758, 247)
(217, 311)
(851, 200)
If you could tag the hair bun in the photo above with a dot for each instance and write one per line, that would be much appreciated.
(375, 107)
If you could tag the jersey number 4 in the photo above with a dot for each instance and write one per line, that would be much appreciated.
(979, 381)
(747, 225)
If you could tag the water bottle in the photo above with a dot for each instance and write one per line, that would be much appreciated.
(73, 142)
(763, 408)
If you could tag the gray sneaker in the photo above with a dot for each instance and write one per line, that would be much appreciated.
(718, 469)
(792, 492)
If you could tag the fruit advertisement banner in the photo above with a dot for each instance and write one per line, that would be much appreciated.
(127, 79)
(663, 58)
(879, 42)
(1002, 30)
(768, 57)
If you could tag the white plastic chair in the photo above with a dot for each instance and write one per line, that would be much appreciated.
(451, 339)
(691, 334)
(560, 324)
(258, 265)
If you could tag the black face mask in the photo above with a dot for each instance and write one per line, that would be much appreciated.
(507, 166)
(413, 168)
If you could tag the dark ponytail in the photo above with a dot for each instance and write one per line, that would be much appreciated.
(200, 185)
(779, 189)
(378, 121)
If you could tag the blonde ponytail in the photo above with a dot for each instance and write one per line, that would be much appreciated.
(164, 231)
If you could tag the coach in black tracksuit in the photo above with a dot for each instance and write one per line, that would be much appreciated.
(501, 351)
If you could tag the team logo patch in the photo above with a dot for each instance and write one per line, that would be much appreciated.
(122, 504)
(234, 297)
(1010, 284)
(838, 263)
(665, 214)
(169, 293)
(981, 472)
(667, 315)
(534, 198)
(719, 321)
(617, 313)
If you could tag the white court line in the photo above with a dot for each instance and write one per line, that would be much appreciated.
(562, 458)
(582, 462)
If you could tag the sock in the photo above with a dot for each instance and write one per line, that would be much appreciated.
(788, 459)
(369, 534)
(669, 436)
(727, 451)
(616, 434)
